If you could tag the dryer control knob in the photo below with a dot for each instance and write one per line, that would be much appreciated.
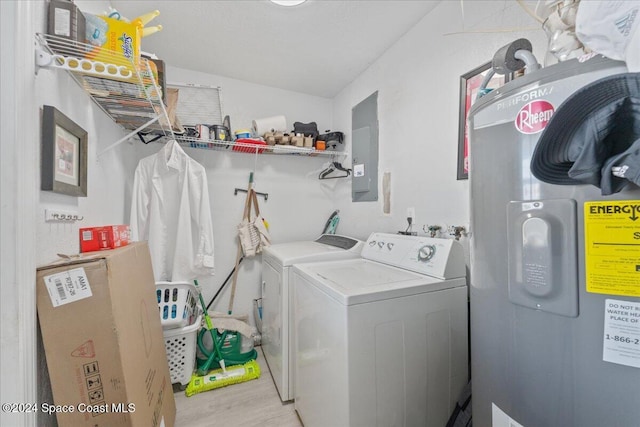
(380, 244)
(372, 243)
(389, 246)
(426, 252)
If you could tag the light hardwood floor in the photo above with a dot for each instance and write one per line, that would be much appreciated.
(248, 404)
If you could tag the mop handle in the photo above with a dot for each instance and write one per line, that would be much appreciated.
(235, 278)
(246, 215)
(212, 331)
(205, 313)
(223, 285)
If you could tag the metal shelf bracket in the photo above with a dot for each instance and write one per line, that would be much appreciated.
(45, 59)
(124, 89)
(242, 190)
(129, 135)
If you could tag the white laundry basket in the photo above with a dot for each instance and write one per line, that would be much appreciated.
(180, 345)
(177, 302)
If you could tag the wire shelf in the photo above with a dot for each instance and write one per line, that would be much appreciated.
(260, 148)
(127, 92)
(124, 89)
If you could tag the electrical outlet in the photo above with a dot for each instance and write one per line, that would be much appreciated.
(411, 213)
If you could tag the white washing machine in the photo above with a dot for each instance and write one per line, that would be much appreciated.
(276, 299)
(382, 340)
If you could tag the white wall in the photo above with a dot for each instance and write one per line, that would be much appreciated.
(298, 203)
(107, 174)
(417, 81)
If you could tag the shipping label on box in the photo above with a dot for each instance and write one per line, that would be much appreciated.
(67, 286)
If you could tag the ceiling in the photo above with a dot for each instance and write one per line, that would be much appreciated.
(316, 48)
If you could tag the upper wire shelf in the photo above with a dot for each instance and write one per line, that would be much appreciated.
(125, 90)
(128, 93)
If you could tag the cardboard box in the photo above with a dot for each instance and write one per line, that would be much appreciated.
(66, 22)
(103, 340)
(100, 238)
(158, 68)
(116, 42)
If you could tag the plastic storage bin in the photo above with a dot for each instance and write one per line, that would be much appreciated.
(177, 302)
(180, 345)
(246, 148)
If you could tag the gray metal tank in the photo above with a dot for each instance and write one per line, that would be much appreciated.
(536, 333)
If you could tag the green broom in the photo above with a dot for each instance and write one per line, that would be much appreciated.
(205, 380)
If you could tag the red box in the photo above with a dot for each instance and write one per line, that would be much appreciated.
(101, 238)
(249, 141)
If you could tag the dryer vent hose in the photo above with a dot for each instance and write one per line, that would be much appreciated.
(515, 56)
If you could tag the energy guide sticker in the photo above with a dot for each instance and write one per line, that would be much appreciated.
(67, 286)
(612, 247)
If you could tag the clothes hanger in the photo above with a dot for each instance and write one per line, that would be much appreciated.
(332, 168)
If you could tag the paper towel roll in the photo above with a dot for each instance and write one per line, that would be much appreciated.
(269, 124)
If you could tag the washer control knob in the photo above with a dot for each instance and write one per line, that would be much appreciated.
(372, 243)
(389, 246)
(380, 244)
(426, 252)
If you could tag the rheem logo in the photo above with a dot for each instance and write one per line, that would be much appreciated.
(534, 117)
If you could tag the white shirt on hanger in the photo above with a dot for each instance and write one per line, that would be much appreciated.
(170, 208)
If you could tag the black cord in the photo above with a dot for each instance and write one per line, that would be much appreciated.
(224, 283)
(409, 220)
(144, 141)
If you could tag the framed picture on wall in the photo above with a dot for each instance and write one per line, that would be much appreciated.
(63, 154)
(469, 85)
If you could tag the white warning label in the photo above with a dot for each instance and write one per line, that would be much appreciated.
(621, 340)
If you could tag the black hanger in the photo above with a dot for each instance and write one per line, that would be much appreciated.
(145, 141)
(332, 168)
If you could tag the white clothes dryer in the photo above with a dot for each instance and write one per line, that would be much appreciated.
(276, 299)
(382, 340)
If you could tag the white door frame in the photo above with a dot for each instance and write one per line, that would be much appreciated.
(19, 165)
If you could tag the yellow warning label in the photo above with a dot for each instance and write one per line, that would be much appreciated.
(612, 247)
